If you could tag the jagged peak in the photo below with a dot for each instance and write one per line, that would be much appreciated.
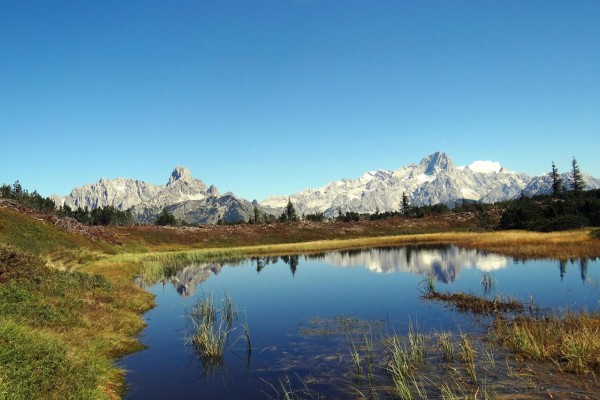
(436, 162)
(213, 191)
(179, 173)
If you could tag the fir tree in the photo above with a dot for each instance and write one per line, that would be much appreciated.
(576, 179)
(557, 183)
(404, 206)
(289, 213)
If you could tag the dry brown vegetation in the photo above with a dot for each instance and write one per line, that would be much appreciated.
(465, 302)
(572, 341)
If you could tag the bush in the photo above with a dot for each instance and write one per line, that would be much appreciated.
(561, 223)
(595, 234)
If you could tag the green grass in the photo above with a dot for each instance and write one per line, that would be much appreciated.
(47, 240)
(36, 364)
(59, 331)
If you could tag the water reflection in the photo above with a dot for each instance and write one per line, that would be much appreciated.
(444, 263)
(280, 296)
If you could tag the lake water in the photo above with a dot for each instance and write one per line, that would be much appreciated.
(285, 299)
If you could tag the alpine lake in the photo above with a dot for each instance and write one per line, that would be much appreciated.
(355, 324)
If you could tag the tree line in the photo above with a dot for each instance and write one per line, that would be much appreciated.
(107, 215)
(32, 200)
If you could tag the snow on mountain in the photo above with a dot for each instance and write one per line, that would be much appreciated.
(436, 179)
(185, 197)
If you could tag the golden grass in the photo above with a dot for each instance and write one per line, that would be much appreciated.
(521, 244)
(572, 340)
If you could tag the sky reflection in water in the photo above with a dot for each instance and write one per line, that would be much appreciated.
(280, 295)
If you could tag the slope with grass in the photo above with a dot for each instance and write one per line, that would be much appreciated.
(60, 331)
(68, 305)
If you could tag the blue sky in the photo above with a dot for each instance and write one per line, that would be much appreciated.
(264, 97)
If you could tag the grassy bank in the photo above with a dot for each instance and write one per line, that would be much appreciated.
(518, 244)
(62, 327)
(60, 331)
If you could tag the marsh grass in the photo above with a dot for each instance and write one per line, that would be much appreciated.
(465, 302)
(446, 344)
(572, 341)
(400, 368)
(212, 326)
(488, 282)
(285, 390)
(427, 285)
(519, 244)
(466, 353)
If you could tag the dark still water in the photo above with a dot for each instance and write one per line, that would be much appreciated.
(293, 303)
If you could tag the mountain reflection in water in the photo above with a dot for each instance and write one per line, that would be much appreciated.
(442, 262)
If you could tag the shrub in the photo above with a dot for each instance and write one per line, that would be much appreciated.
(595, 234)
(561, 223)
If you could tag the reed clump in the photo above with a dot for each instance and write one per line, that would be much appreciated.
(571, 340)
(211, 328)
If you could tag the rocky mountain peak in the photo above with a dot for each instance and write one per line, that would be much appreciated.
(436, 162)
(178, 173)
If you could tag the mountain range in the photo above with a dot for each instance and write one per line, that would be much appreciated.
(436, 179)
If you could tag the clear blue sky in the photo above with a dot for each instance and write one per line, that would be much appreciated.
(264, 97)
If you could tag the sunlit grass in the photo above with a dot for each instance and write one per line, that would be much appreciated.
(61, 330)
(572, 341)
(563, 245)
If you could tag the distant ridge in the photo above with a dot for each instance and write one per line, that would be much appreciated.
(183, 196)
(436, 179)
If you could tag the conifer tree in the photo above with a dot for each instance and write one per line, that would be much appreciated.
(557, 183)
(576, 179)
(290, 211)
(404, 206)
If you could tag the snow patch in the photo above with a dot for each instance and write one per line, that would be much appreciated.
(468, 193)
(425, 178)
(485, 167)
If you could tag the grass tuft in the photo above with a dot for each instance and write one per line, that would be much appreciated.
(571, 340)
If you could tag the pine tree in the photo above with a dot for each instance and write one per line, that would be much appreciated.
(404, 206)
(290, 212)
(576, 179)
(557, 183)
(256, 215)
